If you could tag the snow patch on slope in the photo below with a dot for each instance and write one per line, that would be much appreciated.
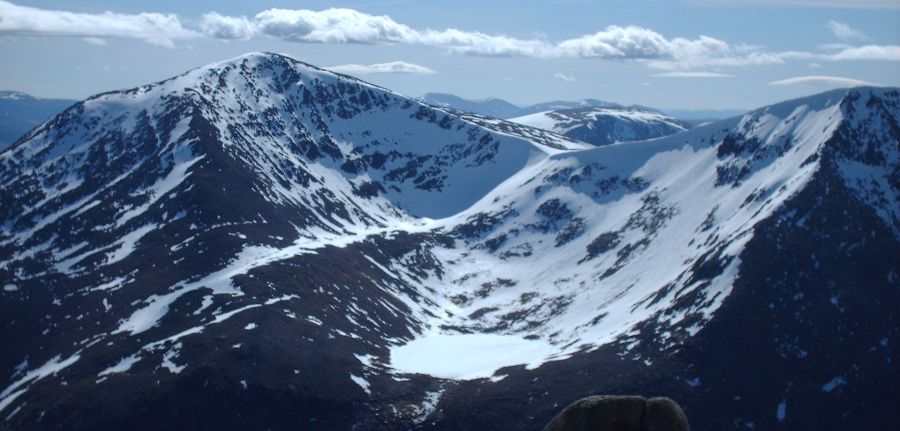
(467, 356)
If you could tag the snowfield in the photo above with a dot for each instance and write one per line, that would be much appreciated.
(601, 126)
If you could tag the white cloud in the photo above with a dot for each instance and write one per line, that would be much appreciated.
(820, 80)
(227, 27)
(867, 52)
(630, 42)
(477, 43)
(843, 31)
(709, 56)
(391, 67)
(155, 28)
(563, 77)
(692, 75)
(337, 25)
(707, 52)
(332, 26)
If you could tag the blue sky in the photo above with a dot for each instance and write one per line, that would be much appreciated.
(688, 54)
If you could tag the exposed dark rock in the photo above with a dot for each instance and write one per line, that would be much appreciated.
(664, 414)
(620, 413)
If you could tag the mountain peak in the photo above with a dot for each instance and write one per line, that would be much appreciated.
(269, 58)
(277, 70)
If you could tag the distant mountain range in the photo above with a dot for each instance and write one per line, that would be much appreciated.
(500, 108)
(263, 244)
(20, 112)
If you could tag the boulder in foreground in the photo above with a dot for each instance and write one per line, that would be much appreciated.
(620, 413)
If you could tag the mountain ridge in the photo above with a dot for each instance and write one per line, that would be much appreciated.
(499, 108)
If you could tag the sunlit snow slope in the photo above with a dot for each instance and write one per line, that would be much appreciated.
(605, 125)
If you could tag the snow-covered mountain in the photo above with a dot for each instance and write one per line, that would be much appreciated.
(262, 243)
(499, 108)
(20, 112)
(698, 116)
(605, 125)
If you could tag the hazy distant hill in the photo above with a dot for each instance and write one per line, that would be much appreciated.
(20, 112)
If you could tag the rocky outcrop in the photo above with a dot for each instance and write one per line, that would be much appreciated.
(620, 413)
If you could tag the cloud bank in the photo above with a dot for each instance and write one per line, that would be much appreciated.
(379, 68)
(821, 80)
(155, 28)
(341, 25)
